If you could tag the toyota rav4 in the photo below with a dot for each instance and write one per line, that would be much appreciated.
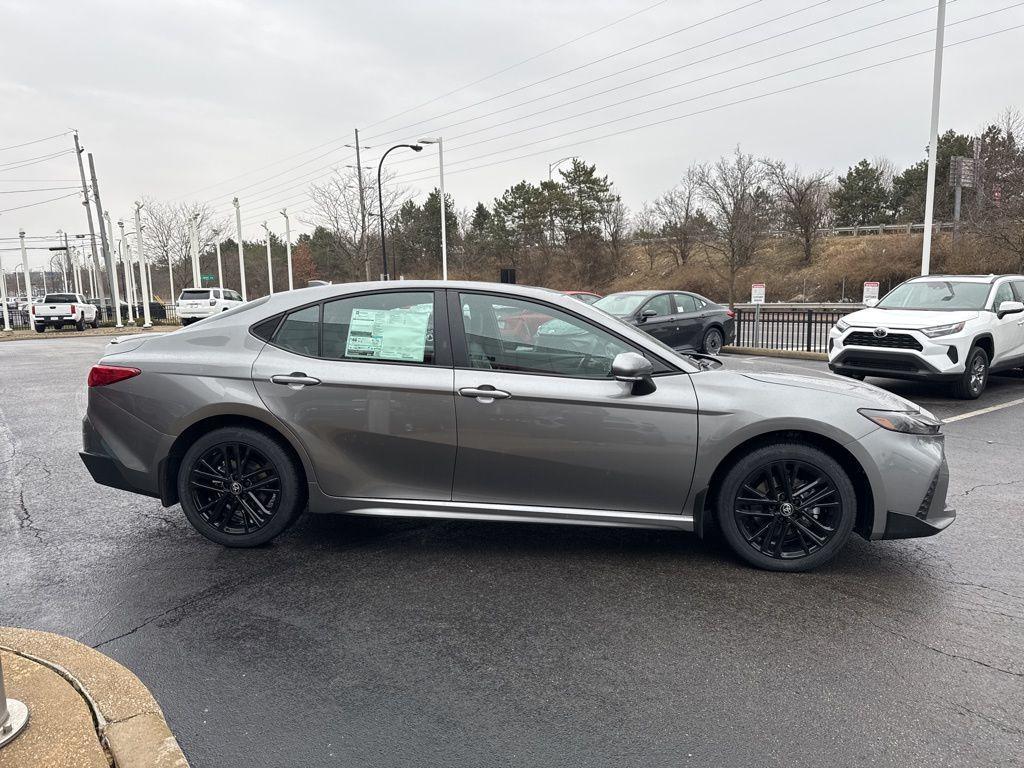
(954, 328)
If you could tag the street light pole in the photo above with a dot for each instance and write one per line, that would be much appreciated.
(126, 267)
(270, 265)
(115, 290)
(144, 276)
(933, 142)
(197, 275)
(220, 264)
(24, 266)
(444, 234)
(241, 254)
(3, 296)
(288, 247)
(380, 202)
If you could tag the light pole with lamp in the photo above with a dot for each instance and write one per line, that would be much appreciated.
(270, 265)
(380, 202)
(444, 233)
(288, 247)
(241, 252)
(551, 169)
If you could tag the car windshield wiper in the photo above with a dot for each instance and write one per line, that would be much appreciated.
(702, 361)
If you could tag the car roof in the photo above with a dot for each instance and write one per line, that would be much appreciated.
(636, 293)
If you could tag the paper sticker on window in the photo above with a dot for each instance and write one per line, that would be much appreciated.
(387, 334)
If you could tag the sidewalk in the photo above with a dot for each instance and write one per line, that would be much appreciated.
(85, 709)
(25, 334)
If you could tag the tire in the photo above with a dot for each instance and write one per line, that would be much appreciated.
(219, 508)
(777, 535)
(713, 341)
(39, 328)
(975, 376)
(95, 320)
(80, 325)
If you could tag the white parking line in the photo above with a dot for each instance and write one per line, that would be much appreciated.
(981, 411)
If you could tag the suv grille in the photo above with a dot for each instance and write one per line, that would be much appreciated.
(890, 341)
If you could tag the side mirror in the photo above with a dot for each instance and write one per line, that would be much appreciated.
(631, 368)
(642, 317)
(1009, 308)
(871, 303)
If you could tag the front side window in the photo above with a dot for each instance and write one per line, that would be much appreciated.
(1003, 293)
(936, 295)
(381, 327)
(660, 305)
(509, 334)
(1018, 289)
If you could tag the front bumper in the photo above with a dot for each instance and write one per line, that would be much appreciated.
(939, 359)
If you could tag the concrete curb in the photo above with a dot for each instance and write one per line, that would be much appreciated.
(795, 354)
(128, 721)
(30, 335)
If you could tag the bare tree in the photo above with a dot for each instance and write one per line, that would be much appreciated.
(167, 234)
(336, 209)
(739, 209)
(679, 214)
(802, 200)
(615, 223)
(646, 232)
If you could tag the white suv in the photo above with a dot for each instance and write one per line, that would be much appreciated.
(197, 303)
(954, 328)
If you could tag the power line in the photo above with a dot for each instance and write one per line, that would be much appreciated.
(519, 63)
(41, 202)
(720, 106)
(710, 93)
(5, 167)
(37, 189)
(602, 59)
(34, 141)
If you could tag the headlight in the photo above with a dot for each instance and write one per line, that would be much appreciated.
(842, 325)
(908, 422)
(942, 330)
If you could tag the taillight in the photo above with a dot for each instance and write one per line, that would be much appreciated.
(101, 375)
(730, 313)
(72, 309)
(32, 309)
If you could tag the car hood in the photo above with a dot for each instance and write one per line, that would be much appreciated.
(872, 396)
(913, 319)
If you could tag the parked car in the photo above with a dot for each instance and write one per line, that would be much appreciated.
(353, 399)
(59, 309)
(678, 319)
(587, 297)
(197, 303)
(951, 328)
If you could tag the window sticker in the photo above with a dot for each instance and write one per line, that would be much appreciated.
(387, 334)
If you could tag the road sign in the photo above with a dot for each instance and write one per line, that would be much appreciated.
(961, 171)
(870, 291)
(757, 293)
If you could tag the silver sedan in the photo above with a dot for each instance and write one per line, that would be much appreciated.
(494, 402)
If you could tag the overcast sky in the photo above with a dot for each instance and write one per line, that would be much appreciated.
(177, 99)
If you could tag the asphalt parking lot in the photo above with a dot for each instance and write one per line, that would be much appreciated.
(371, 642)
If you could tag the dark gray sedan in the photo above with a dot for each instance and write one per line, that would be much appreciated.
(679, 319)
(477, 401)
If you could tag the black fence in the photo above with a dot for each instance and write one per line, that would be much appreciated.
(159, 314)
(794, 329)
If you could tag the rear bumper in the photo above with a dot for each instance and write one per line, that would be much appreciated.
(106, 470)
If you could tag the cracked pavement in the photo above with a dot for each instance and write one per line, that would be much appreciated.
(360, 642)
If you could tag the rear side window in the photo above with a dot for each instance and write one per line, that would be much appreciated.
(386, 327)
(685, 302)
(193, 295)
(300, 332)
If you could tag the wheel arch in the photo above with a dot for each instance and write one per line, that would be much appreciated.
(707, 498)
(169, 466)
(986, 342)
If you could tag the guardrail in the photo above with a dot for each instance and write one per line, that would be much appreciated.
(787, 329)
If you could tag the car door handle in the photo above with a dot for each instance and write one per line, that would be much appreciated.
(484, 394)
(294, 379)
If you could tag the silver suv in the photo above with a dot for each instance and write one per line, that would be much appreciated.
(476, 401)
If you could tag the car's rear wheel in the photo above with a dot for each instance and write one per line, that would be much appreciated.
(972, 383)
(786, 507)
(40, 328)
(713, 341)
(239, 487)
(80, 325)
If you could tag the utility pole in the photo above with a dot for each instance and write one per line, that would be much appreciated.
(270, 266)
(220, 265)
(111, 276)
(144, 277)
(3, 296)
(24, 267)
(241, 253)
(933, 143)
(288, 247)
(88, 210)
(111, 265)
(362, 210)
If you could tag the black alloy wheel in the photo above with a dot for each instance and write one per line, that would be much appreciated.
(713, 341)
(975, 376)
(240, 487)
(786, 507)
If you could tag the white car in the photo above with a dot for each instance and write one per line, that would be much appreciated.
(954, 328)
(197, 303)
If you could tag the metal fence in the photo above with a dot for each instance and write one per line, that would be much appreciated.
(793, 329)
(159, 313)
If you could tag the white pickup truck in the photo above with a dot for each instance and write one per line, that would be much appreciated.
(60, 309)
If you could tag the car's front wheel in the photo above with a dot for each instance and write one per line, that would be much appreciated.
(96, 320)
(713, 341)
(975, 376)
(786, 507)
(240, 487)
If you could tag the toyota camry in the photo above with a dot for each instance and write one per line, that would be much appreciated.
(436, 400)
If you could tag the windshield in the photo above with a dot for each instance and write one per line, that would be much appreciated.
(186, 295)
(938, 295)
(60, 298)
(621, 303)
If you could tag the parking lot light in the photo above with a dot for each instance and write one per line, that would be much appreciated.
(380, 202)
(13, 714)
